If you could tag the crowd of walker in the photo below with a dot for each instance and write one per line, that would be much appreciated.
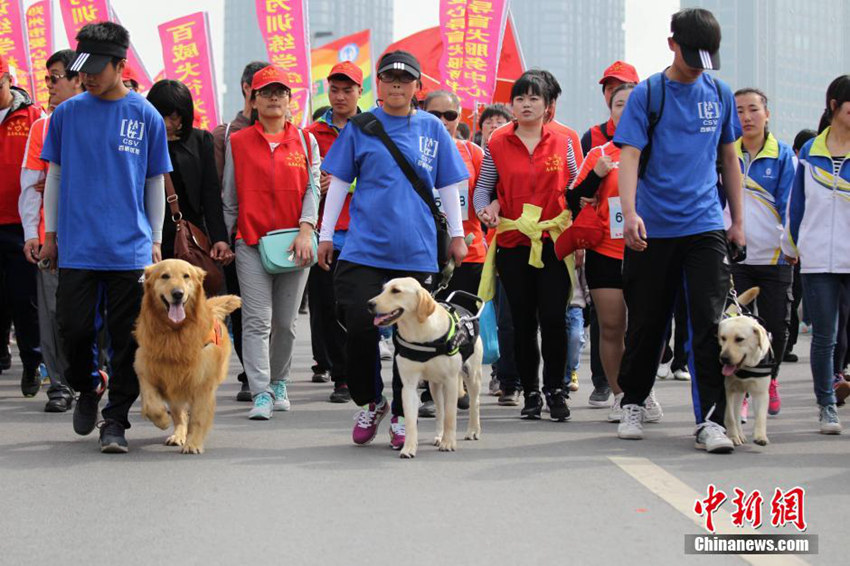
(697, 197)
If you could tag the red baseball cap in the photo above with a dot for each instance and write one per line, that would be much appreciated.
(4, 66)
(130, 74)
(621, 71)
(586, 232)
(348, 70)
(267, 76)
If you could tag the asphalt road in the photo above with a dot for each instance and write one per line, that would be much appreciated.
(295, 490)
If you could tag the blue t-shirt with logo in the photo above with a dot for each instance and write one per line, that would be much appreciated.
(107, 149)
(677, 195)
(391, 226)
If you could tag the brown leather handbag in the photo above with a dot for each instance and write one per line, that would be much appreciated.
(191, 243)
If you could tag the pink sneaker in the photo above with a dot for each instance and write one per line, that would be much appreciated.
(745, 408)
(368, 420)
(775, 402)
(397, 433)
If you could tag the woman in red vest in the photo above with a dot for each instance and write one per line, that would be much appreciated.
(267, 187)
(530, 163)
(597, 183)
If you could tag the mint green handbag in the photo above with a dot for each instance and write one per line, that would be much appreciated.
(274, 246)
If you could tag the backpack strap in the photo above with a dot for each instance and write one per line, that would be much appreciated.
(656, 92)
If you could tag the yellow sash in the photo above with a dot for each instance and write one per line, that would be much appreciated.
(528, 224)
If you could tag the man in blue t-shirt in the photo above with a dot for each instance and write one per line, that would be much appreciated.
(104, 204)
(673, 223)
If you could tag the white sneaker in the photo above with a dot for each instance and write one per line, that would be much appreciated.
(663, 370)
(631, 426)
(652, 412)
(829, 422)
(384, 347)
(682, 375)
(281, 397)
(711, 437)
(616, 413)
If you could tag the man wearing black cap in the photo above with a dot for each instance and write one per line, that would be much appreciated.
(104, 204)
(673, 223)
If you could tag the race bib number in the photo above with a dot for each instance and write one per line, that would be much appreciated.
(464, 204)
(615, 218)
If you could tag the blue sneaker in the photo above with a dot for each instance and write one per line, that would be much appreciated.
(281, 399)
(262, 409)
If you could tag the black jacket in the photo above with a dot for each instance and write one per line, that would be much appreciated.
(196, 183)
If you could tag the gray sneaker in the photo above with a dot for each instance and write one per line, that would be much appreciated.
(652, 412)
(281, 398)
(616, 413)
(829, 423)
(711, 437)
(263, 407)
(631, 423)
(495, 387)
(599, 397)
(509, 399)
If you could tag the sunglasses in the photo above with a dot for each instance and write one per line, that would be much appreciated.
(53, 79)
(272, 92)
(399, 76)
(449, 115)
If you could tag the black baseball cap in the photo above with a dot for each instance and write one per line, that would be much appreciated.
(698, 34)
(92, 56)
(701, 58)
(400, 61)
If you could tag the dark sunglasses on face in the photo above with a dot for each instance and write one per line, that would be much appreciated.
(53, 79)
(269, 92)
(393, 76)
(449, 115)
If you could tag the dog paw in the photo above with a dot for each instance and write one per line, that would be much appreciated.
(761, 441)
(407, 453)
(447, 445)
(473, 434)
(738, 439)
(438, 440)
(192, 449)
(175, 440)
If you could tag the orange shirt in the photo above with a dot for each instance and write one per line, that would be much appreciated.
(472, 156)
(608, 188)
(32, 158)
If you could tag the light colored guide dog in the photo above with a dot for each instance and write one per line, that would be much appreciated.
(744, 344)
(184, 351)
(421, 320)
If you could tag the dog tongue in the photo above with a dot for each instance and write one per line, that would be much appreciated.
(728, 369)
(176, 313)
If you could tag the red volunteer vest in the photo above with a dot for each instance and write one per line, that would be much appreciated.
(539, 179)
(14, 132)
(270, 185)
(597, 137)
(326, 136)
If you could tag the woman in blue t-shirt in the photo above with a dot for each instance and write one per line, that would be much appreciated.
(392, 233)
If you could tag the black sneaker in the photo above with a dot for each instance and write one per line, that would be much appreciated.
(244, 394)
(558, 409)
(341, 394)
(30, 382)
(533, 406)
(59, 404)
(5, 360)
(790, 357)
(463, 402)
(321, 377)
(112, 440)
(509, 399)
(85, 413)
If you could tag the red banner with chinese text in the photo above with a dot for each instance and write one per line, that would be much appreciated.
(40, 37)
(13, 45)
(188, 58)
(285, 30)
(471, 32)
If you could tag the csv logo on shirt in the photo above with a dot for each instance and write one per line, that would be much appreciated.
(132, 129)
(427, 152)
(709, 110)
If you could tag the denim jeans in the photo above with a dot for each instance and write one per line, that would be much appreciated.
(575, 339)
(823, 292)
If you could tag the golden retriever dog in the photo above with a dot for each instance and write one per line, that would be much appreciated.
(184, 351)
(421, 319)
(744, 345)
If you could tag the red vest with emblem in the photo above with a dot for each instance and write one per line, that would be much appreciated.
(598, 137)
(326, 136)
(539, 178)
(14, 131)
(270, 184)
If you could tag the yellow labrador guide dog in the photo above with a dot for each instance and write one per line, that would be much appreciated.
(436, 345)
(744, 353)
